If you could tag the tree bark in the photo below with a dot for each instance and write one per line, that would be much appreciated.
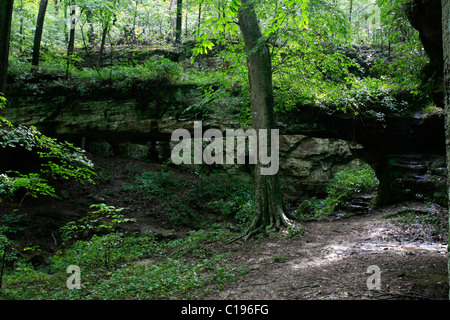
(133, 31)
(38, 32)
(21, 27)
(102, 46)
(71, 46)
(178, 21)
(350, 12)
(270, 210)
(446, 46)
(6, 9)
(199, 15)
(91, 32)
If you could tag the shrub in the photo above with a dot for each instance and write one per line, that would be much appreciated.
(104, 219)
(344, 184)
(58, 159)
(350, 181)
(150, 184)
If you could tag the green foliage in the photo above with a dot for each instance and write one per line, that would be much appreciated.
(153, 185)
(224, 195)
(211, 97)
(101, 251)
(344, 184)
(309, 42)
(33, 184)
(428, 219)
(59, 159)
(161, 187)
(238, 206)
(177, 275)
(105, 175)
(104, 219)
(214, 193)
(119, 266)
(12, 223)
(350, 181)
(425, 218)
(121, 77)
(2, 102)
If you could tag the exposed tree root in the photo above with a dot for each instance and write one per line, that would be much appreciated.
(284, 220)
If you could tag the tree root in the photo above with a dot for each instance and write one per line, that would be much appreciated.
(287, 220)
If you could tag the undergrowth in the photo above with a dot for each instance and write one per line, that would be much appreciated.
(217, 195)
(119, 266)
(344, 184)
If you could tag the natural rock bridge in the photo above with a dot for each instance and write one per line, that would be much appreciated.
(407, 152)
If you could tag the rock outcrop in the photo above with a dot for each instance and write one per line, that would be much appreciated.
(425, 17)
(314, 144)
(140, 128)
(413, 139)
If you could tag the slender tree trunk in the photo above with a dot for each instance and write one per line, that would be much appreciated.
(446, 46)
(133, 31)
(199, 15)
(186, 24)
(6, 9)
(3, 264)
(270, 211)
(38, 32)
(21, 27)
(178, 23)
(91, 32)
(66, 36)
(102, 45)
(350, 13)
(71, 46)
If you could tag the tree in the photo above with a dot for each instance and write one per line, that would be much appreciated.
(107, 16)
(350, 12)
(178, 21)
(199, 20)
(102, 43)
(270, 211)
(6, 9)
(38, 32)
(104, 13)
(71, 45)
(446, 46)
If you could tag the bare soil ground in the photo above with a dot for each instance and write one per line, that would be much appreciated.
(331, 262)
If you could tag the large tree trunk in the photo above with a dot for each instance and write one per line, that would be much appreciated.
(6, 9)
(38, 32)
(270, 211)
(446, 47)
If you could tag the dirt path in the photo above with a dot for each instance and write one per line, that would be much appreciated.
(331, 262)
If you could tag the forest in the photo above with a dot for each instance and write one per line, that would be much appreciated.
(224, 150)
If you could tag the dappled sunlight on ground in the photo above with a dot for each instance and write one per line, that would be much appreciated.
(331, 262)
